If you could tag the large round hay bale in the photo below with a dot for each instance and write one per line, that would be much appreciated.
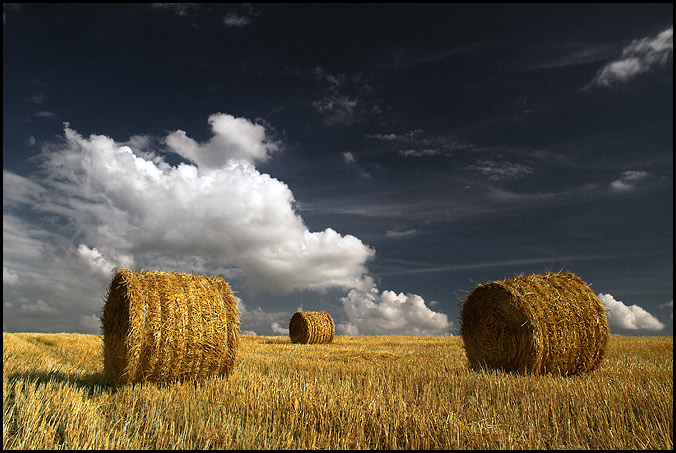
(163, 326)
(311, 327)
(539, 323)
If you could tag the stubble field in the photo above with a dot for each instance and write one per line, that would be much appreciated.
(356, 393)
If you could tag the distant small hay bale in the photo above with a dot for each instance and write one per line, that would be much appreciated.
(311, 327)
(539, 323)
(164, 326)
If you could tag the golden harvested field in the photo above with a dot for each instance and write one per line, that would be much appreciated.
(355, 393)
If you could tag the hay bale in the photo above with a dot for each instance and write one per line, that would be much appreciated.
(539, 323)
(164, 326)
(311, 327)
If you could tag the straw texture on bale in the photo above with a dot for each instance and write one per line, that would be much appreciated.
(165, 326)
(311, 327)
(540, 323)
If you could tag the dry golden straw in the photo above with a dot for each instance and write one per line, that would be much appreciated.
(539, 323)
(311, 327)
(163, 326)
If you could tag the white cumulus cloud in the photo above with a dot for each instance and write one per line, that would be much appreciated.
(9, 277)
(234, 138)
(388, 313)
(37, 307)
(91, 324)
(277, 329)
(118, 204)
(630, 317)
(95, 260)
(133, 207)
(347, 329)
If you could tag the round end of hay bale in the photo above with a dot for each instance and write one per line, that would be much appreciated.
(494, 332)
(539, 323)
(164, 326)
(311, 327)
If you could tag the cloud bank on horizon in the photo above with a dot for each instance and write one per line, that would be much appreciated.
(214, 212)
(114, 205)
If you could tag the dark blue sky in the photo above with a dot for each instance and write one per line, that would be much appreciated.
(375, 161)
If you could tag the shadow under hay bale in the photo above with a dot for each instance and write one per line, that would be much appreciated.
(164, 326)
(540, 323)
(311, 327)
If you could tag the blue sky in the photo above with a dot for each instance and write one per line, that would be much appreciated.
(374, 161)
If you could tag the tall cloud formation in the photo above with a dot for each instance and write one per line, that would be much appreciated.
(133, 203)
(113, 206)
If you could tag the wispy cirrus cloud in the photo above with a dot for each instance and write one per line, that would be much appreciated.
(404, 137)
(351, 161)
(501, 170)
(395, 267)
(401, 233)
(344, 99)
(409, 57)
(241, 15)
(418, 143)
(641, 56)
(577, 54)
(348, 157)
(38, 98)
(233, 19)
(180, 9)
(15, 7)
(419, 152)
(234, 16)
(397, 204)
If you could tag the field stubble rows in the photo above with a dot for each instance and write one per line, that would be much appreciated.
(355, 393)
